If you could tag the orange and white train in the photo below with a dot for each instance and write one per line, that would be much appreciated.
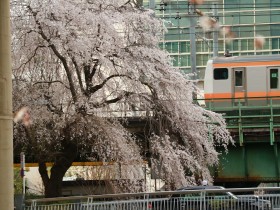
(250, 80)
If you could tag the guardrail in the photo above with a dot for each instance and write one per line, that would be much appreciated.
(261, 114)
(210, 199)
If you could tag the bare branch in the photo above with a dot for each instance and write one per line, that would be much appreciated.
(111, 101)
(50, 82)
(98, 87)
(31, 57)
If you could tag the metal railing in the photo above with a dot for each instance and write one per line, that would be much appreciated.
(209, 199)
(247, 114)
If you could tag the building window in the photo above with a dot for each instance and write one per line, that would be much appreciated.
(273, 78)
(221, 74)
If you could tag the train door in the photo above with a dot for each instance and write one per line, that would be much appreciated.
(239, 91)
(273, 84)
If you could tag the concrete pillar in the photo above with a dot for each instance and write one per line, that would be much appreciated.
(6, 131)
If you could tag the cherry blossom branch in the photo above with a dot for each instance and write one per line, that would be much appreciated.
(111, 101)
(52, 107)
(99, 86)
(56, 52)
(30, 58)
(50, 82)
(78, 74)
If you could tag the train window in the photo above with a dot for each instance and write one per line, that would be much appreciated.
(238, 78)
(273, 78)
(221, 73)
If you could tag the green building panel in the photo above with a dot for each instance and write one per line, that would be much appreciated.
(246, 18)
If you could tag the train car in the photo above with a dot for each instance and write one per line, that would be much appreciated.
(242, 80)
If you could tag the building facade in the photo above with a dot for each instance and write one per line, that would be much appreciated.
(246, 18)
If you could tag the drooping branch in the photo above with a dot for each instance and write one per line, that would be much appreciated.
(56, 52)
(99, 86)
(31, 57)
(68, 72)
(52, 107)
(111, 101)
(94, 68)
(89, 72)
(78, 74)
(152, 89)
(50, 82)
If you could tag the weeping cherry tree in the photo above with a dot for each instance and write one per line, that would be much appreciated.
(79, 66)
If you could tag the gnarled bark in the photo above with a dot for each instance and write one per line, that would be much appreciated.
(63, 161)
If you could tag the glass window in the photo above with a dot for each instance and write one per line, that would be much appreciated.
(183, 47)
(171, 35)
(184, 21)
(175, 59)
(232, 18)
(199, 59)
(168, 46)
(246, 31)
(262, 17)
(184, 60)
(244, 44)
(221, 74)
(205, 60)
(235, 45)
(251, 45)
(174, 46)
(238, 78)
(275, 43)
(274, 16)
(263, 30)
(188, 60)
(246, 4)
(199, 46)
(275, 30)
(231, 4)
(265, 2)
(273, 78)
(221, 46)
(266, 45)
(247, 19)
(274, 3)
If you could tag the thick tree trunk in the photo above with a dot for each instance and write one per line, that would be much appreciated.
(63, 161)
